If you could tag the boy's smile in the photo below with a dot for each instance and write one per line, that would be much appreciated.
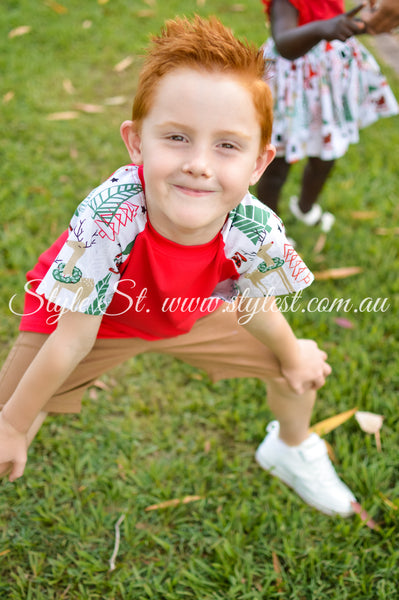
(200, 148)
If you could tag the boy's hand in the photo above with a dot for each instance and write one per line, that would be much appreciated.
(13, 450)
(311, 370)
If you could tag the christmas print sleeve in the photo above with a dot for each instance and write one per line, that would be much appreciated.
(86, 271)
(266, 262)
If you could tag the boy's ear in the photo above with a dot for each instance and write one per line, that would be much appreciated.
(132, 140)
(264, 159)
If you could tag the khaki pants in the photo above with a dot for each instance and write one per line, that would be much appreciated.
(216, 344)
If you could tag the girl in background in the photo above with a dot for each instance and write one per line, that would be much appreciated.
(326, 86)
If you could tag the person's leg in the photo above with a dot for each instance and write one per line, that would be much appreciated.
(272, 181)
(314, 177)
(224, 349)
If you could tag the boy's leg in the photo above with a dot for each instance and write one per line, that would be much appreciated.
(221, 347)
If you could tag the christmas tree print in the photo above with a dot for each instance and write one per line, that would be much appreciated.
(112, 208)
(251, 220)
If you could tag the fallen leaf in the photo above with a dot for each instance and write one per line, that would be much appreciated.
(100, 384)
(123, 64)
(87, 24)
(115, 100)
(201, 3)
(237, 8)
(174, 502)
(8, 96)
(327, 425)
(388, 502)
(370, 423)
(60, 9)
(387, 230)
(102, 1)
(277, 570)
(321, 242)
(145, 13)
(68, 86)
(339, 273)
(364, 215)
(88, 108)
(21, 30)
(345, 323)
(207, 446)
(4, 552)
(63, 116)
(73, 153)
(364, 516)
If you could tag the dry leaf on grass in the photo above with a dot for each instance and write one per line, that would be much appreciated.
(68, 86)
(388, 502)
(8, 96)
(60, 9)
(21, 30)
(277, 569)
(321, 242)
(174, 502)
(63, 116)
(115, 100)
(145, 13)
(332, 423)
(338, 273)
(123, 64)
(201, 3)
(387, 230)
(4, 552)
(344, 323)
(370, 423)
(88, 108)
(364, 215)
(87, 24)
(100, 384)
(364, 516)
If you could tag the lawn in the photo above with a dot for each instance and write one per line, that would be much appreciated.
(156, 430)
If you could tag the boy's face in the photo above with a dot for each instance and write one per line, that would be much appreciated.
(200, 148)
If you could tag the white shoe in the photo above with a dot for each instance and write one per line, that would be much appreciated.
(307, 469)
(313, 217)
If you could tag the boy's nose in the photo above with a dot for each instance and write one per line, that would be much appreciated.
(197, 164)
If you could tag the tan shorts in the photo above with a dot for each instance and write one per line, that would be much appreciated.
(216, 344)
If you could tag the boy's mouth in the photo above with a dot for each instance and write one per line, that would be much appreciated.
(192, 191)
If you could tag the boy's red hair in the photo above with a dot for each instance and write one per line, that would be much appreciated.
(204, 45)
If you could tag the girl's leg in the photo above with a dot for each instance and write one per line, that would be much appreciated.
(271, 182)
(314, 177)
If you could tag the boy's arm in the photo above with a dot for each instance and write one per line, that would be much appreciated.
(293, 41)
(58, 357)
(303, 365)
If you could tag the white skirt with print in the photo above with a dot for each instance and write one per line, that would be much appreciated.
(323, 98)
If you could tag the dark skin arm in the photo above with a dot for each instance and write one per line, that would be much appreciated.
(293, 41)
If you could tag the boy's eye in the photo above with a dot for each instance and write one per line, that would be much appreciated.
(177, 138)
(228, 145)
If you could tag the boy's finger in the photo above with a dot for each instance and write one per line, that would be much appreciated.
(17, 471)
(354, 11)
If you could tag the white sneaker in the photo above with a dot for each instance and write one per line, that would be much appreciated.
(314, 216)
(307, 469)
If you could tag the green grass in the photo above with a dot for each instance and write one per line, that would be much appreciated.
(162, 430)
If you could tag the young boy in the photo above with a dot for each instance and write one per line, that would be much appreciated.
(154, 257)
